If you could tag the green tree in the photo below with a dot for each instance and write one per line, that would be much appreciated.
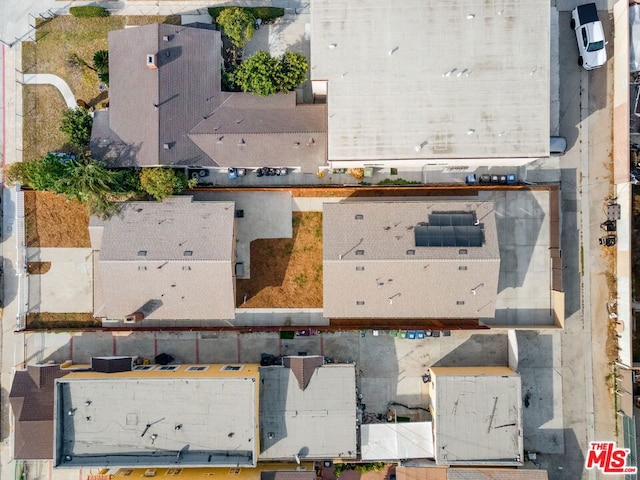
(292, 71)
(161, 183)
(237, 24)
(265, 75)
(40, 174)
(76, 124)
(257, 74)
(101, 64)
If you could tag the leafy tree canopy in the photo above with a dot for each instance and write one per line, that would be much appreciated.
(265, 75)
(41, 174)
(76, 124)
(238, 25)
(161, 183)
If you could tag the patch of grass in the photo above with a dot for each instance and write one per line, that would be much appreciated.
(61, 321)
(89, 11)
(42, 107)
(60, 42)
(301, 280)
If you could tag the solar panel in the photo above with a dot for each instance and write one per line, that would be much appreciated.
(448, 236)
(451, 219)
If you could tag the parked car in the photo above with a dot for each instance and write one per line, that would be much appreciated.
(557, 145)
(590, 36)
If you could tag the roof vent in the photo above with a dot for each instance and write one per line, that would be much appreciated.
(151, 61)
(142, 253)
(188, 253)
(166, 146)
(411, 252)
(359, 252)
(166, 38)
(359, 216)
(242, 143)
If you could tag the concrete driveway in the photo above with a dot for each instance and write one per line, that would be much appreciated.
(67, 286)
(264, 215)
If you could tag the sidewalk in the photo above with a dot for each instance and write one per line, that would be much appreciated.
(56, 81)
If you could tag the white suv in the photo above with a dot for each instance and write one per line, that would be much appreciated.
(590, 36)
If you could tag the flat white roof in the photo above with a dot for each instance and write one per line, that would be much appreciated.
(477, 416)
(396, 441)
(317, 422)
(437, 79)
(208, 421)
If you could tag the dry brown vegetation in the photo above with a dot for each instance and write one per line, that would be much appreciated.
(38, 268)
(286, 272)
(61, 321)
(53, 221)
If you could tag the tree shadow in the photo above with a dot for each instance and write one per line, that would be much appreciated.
(101, 97)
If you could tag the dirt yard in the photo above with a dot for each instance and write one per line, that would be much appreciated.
(53, 221)
(286, 272)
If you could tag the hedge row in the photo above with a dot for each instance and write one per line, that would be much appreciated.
(89, 11)
(265, 13)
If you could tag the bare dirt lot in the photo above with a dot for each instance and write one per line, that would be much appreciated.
(53, 221)
(286, 272)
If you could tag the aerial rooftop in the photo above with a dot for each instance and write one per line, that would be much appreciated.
(438, 79)
(477, 415)
(402, 259)
(307, 408)
(169, 260)
(162, 417)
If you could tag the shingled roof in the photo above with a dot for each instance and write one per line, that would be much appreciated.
(388, 249)
(169, 260)
(167, 108)
(31, 399)
(303, 368)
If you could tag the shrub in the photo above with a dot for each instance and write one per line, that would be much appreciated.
(76, 124)
(263, 74)
(161, 183)
(237, 24)
(267, 14)
(89, 11)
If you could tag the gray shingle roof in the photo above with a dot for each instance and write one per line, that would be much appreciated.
(373, 268)
(265, 131)
(172, 260)
(151, 107)
(386, 64)
(175, 114)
